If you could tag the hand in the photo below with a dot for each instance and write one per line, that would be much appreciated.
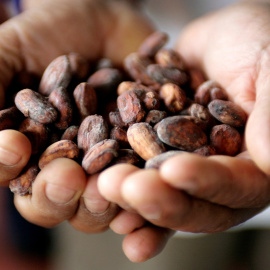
(198, 194)
(32, 39)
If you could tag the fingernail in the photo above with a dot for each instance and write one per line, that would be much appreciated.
(96, 206)
(8, 158)
(151, 211)
(58, 194)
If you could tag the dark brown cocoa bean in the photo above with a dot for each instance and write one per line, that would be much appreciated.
(57, 74)
(162, 75)
(128, 156)
(34, 105)
(10, 118)
(120, 135)
(228, 112)
(37, 133)
(155, 116)
(181, 133)
(105, 81)
(92, 130)
(155, 162)
(61, 100)
(152, 44)
(99, 156)
(22, 185)
(226, 140)
(130, 106)
(86, 99)
(70, 133)
(135, 66)
(60, 149)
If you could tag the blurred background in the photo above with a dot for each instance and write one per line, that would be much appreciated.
(26, 246)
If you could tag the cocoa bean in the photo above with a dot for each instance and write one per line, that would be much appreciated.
(61, 100)
(181, 133)
(144, 141)
(57, 74)
(225, 139)
(22, 185)
(92, 130)
(99, 156)
(86, 99)
(59, 149)
(228, 112)
(34, 105)
(152, 44)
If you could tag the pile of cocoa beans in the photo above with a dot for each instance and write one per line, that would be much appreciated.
(147, 110)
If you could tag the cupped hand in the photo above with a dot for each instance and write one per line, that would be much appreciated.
(29, 42)
(210, 194)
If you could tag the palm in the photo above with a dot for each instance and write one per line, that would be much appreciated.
(40, 34)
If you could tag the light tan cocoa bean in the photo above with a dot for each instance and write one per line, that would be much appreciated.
(37, 133)
(92, 130)
(152, 44)
(181, 133)
(130, 106)
(226, 140)
(22, 185)
(174, 97)
(60, 149)
(61, 100)
(100, 156)
(57, 74)
(34, 105)
(155, 162)
(169, 58)
(130, 85)
(228, 112)
(86, 99)
(10, 118)
(144, 140)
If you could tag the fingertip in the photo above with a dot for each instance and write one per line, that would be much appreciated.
(110, 181)
(15, 151)
(145, 243)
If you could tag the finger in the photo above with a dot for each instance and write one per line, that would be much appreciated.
(94, 213)
(145, 243)
(15, 151)
(230, 181)
(166, 206)
(55, 193)
(126, 222)
(110, 182)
